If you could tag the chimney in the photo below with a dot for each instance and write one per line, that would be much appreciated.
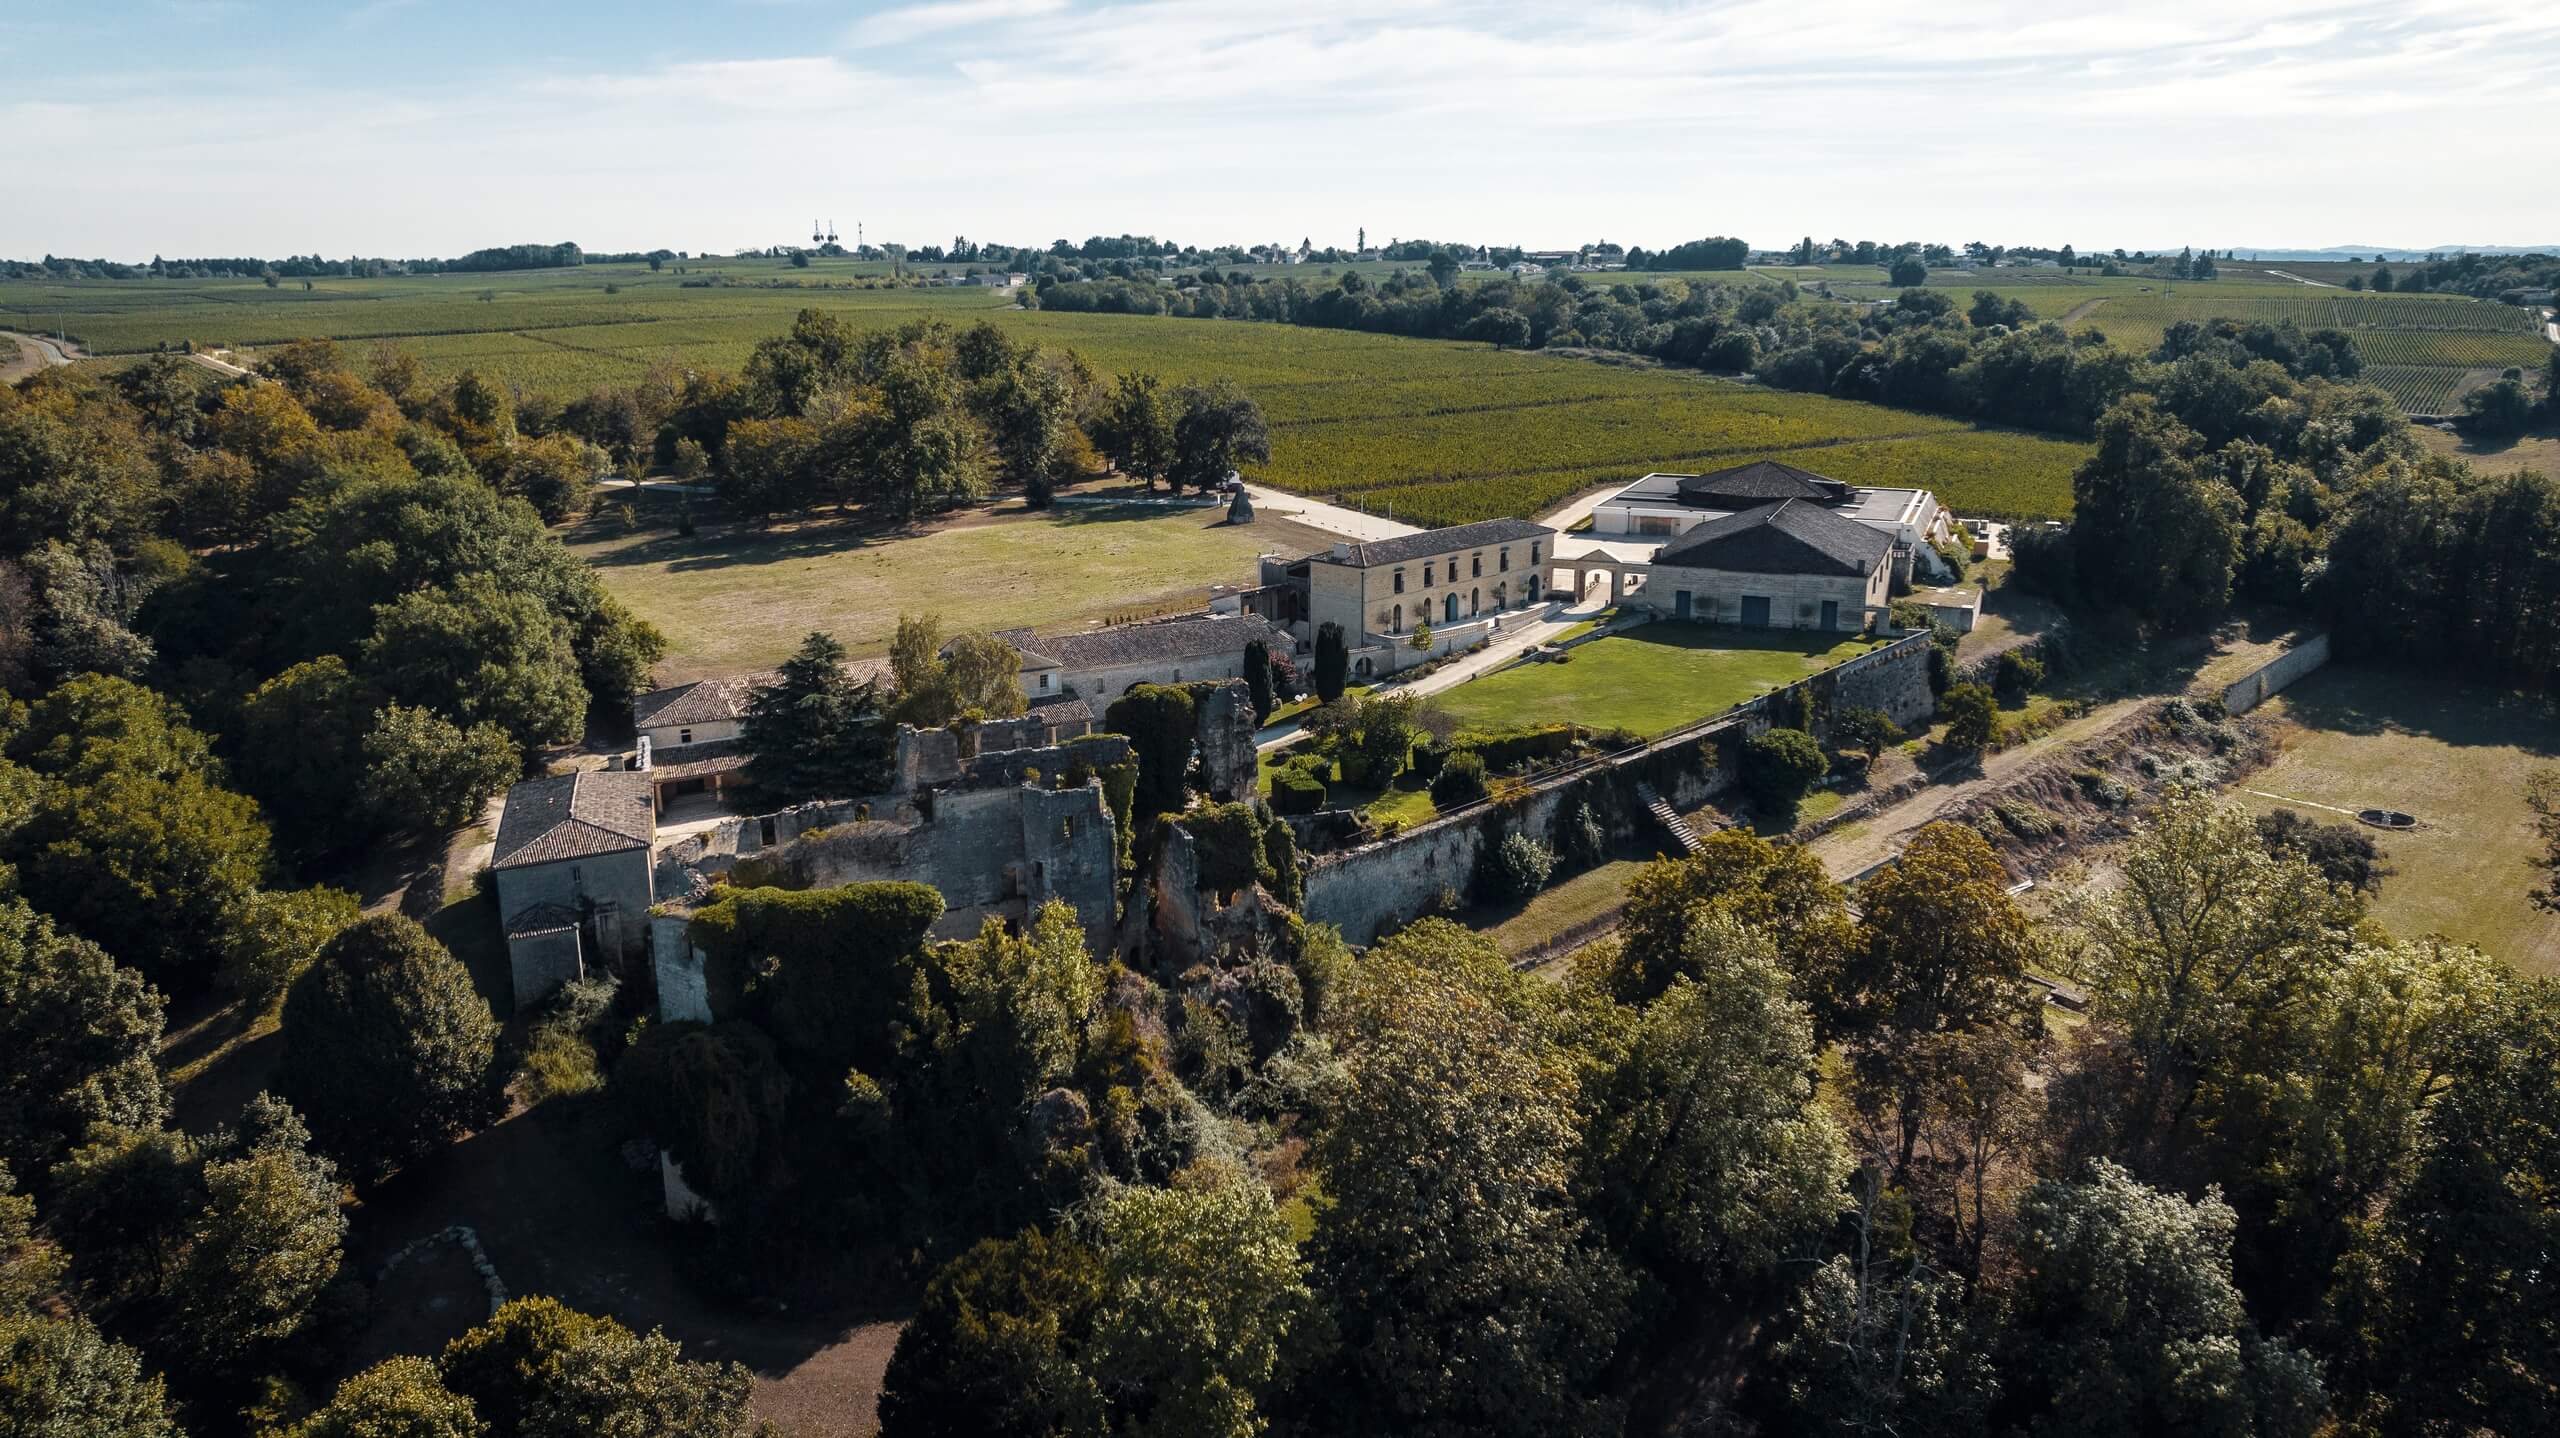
(1342, 549)
(640, 760)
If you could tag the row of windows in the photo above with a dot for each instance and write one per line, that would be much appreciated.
(1502, 564)
(1449, 611)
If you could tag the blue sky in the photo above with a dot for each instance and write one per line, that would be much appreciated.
(435, 126)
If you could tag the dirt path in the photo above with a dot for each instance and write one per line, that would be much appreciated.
(1332, 518)
(2299, 280)
(34, 354)
(2080, 311)
(1852, 849)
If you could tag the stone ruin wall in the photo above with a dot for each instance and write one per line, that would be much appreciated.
(979, 830)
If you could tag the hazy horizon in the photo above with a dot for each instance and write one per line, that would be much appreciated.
(212, 127)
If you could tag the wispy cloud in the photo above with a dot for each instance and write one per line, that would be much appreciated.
(910, 22)
(2052, 120)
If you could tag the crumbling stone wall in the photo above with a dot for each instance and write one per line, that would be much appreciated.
(996, 833)
(1226, 732)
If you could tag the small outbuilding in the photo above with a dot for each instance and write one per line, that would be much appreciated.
(573, 871)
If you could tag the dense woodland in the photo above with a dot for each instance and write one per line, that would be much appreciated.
(1781, 1158)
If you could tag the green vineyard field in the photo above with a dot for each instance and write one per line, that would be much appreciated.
(1454, 431)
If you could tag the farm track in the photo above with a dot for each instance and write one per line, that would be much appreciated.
(2080, 311)
(617, 356)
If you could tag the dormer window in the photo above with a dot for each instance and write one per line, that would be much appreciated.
(1044, 683)
(684, 736)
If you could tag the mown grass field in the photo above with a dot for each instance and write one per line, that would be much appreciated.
(1651, 680)
(1441, 432)
(738, 598)
(2456, 757)
(2537, 451)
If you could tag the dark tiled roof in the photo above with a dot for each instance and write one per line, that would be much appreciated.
(548, 917)
(1789, 537)
(575, 816)
(704, 701)
(1433, 542)
(692, 761)
(708, 701)
(1163, 639)
(1761, 482)
(1060, 709)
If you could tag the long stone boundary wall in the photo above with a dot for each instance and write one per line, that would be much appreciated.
(1366, 891)
(2272, 676)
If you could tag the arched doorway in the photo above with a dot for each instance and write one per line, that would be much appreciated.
(1475, 602)
(1398, 626)
(1449, 611)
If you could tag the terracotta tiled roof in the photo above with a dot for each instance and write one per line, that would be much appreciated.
(1164, 639)
(575, 816)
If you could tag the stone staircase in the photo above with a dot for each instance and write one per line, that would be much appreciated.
(1668, 817)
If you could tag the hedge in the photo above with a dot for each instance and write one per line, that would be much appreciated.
(1504, 750)
(1295, 791)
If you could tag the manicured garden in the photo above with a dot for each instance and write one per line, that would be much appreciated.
(1650, 681)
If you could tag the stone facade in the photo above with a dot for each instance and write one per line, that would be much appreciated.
(608, 893)
(541, 960)
(1794, 601)
(1466, 585)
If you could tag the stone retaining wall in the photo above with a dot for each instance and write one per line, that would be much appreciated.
(1371, 889)
(2272, 676)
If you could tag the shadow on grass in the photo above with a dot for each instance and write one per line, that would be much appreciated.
(819, 536)
(2370, 699)
(218, 1056)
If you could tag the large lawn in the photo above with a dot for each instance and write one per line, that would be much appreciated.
(1655, 679)
(2457, 758)
(739, 598)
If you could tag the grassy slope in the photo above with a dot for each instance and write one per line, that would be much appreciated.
(738, 598)
(1656, 678)
(2457, 758)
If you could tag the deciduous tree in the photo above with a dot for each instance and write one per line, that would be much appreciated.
(1709, 1154)
(388, 1046)
(396, 1398)
(1469, 1296)
(79, 1036)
